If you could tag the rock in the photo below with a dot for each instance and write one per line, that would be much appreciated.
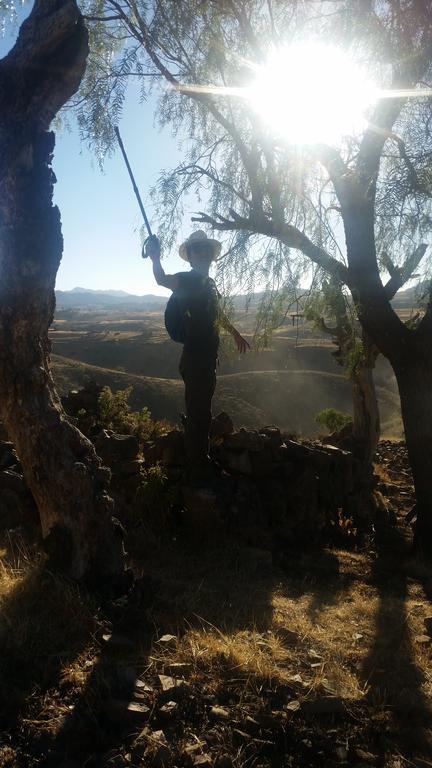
(274, 434)
(172, 687)
(170, 449)
(201, 512)
(304, 517)
(168, 641)
(293, 706)
(262, 463)
(116, 448)
(167, 682)
(202, 760)
(237, 462)
(194, 747)
(245, 441)
(295, 451)
(82, 399)
(142, 687)
(326, 705)
(169, 710)
(119, 711)
(221, 426)
(8, 455)
(127, 468)
(13, 481)
(283, 471)
(116, 642)
(158, 751)
(219, 713)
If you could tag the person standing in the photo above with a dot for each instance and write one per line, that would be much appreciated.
(194, 305)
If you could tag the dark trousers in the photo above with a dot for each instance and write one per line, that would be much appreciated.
(198, 371)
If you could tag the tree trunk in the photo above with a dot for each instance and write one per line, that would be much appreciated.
(60, 465)
(415, 389)
(366, 418)
(409, 352)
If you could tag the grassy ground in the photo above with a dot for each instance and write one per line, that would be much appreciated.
(322, 658)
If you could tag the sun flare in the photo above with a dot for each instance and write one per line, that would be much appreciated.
(312, 93)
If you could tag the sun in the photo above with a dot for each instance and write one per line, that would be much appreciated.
(311, 93)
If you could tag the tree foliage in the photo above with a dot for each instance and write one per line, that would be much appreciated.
(332, 419)
(232, 161)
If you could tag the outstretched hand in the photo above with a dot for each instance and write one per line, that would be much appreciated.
(241, 343)
(151, 248)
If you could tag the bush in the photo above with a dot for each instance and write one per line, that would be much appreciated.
(114, 412)
(332, 419)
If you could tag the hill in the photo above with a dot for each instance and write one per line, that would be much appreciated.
(255, 398)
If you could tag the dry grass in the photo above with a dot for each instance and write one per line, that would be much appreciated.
(332, 623)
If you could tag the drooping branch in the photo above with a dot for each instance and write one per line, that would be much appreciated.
(141, 32)
(286, 233)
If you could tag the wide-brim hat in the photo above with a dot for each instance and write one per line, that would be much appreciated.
(199, 236)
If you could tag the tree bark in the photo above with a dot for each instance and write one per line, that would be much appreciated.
(409, 353)
(60, 465)
(366, 418)
(414, 377)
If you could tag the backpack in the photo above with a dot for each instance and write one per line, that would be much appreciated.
(174, 320)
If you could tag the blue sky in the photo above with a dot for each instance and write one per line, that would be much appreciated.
(100, 216)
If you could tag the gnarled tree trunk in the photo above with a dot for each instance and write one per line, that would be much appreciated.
(366, 417)
(409, 352)
(60, 465)
(414, 378)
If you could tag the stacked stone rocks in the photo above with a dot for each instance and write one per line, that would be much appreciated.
(121, 453)
(16, 502)
(271, 487)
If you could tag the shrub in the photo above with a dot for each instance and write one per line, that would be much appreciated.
(114, 412)
(332, 419)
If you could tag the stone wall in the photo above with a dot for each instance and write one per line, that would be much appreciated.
(270, 489)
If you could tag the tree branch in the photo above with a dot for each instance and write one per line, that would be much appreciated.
(285, 233)
(403, 273)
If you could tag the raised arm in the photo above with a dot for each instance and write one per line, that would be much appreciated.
(151, 249)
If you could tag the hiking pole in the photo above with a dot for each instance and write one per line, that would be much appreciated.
(135, 188)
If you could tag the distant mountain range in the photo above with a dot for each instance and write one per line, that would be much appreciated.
(88, 298)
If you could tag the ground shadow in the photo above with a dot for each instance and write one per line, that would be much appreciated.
(315, 572)
(389, 672)
(190, 579)
(45, 624)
